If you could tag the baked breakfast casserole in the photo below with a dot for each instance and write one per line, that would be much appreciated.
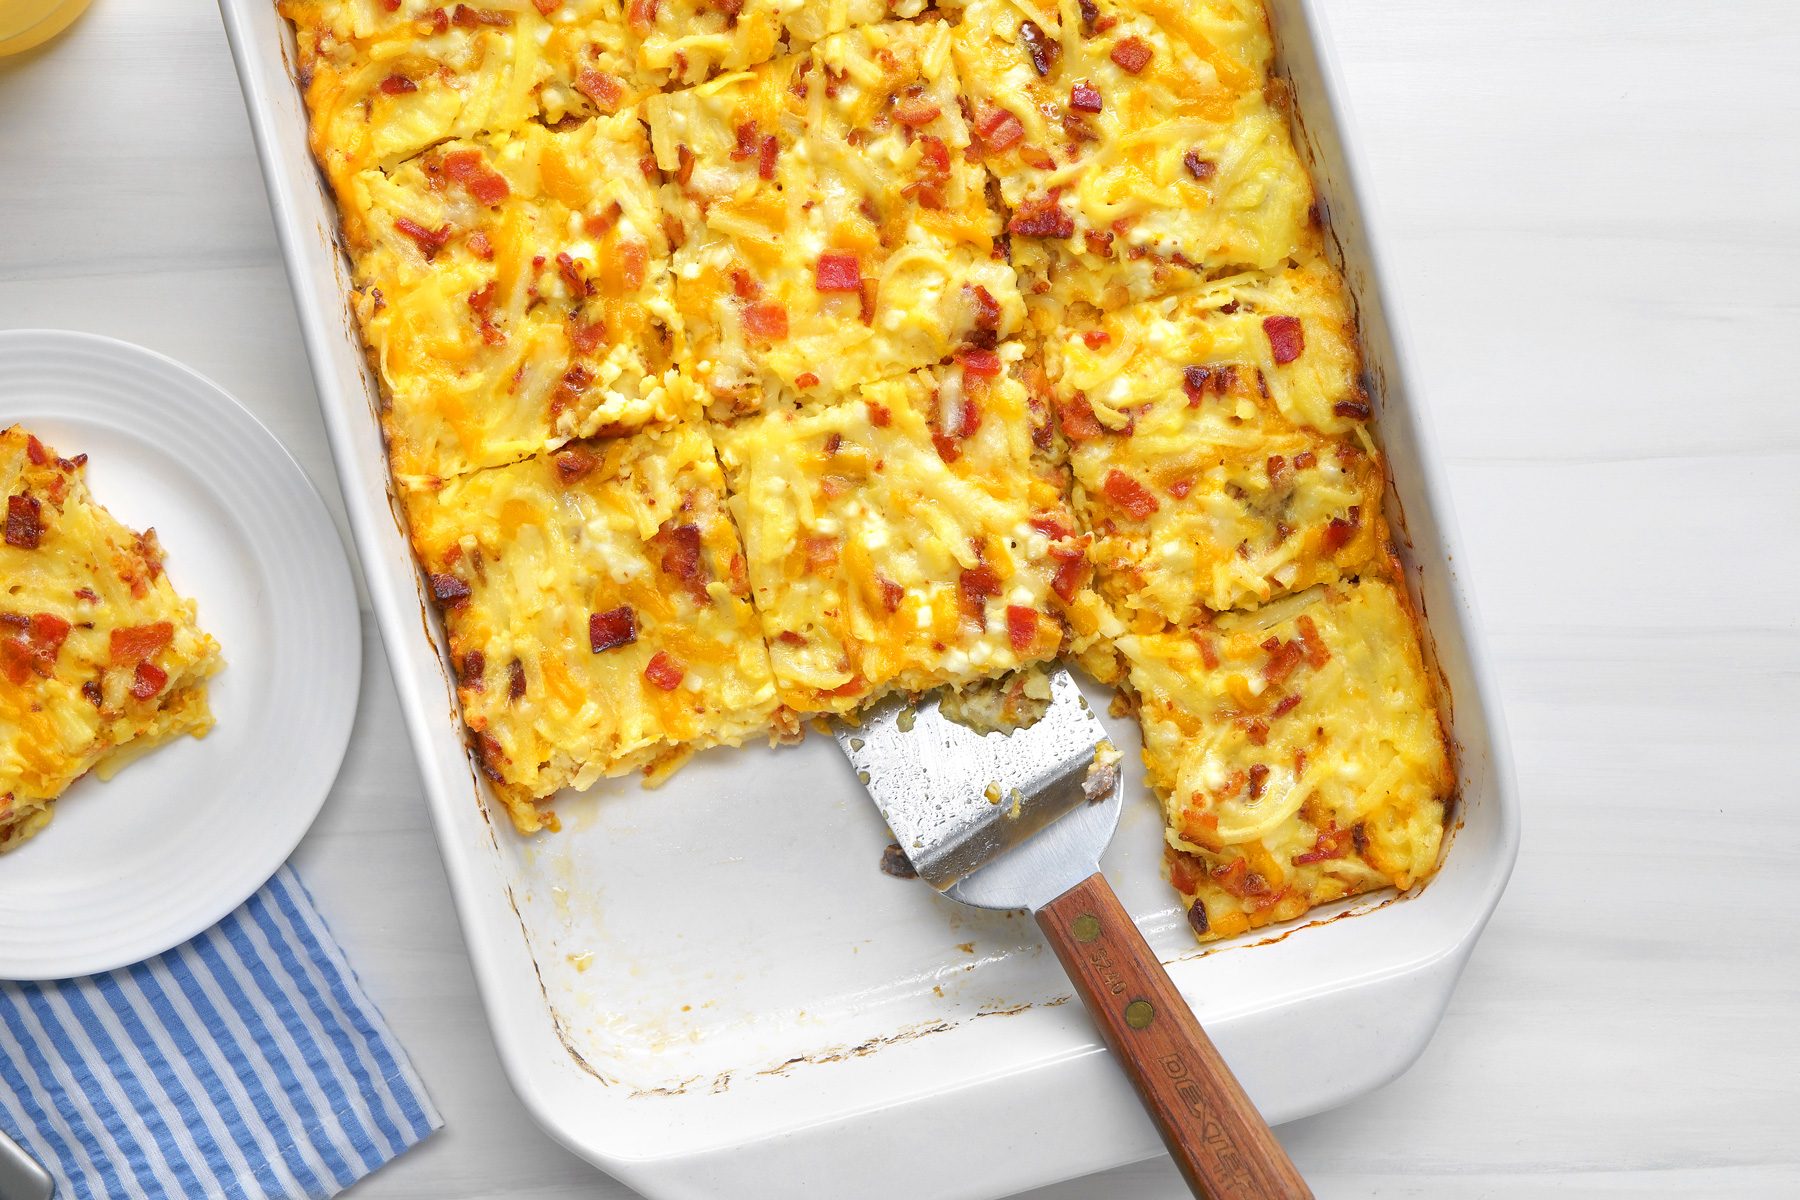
(100, 659)
(745, 361)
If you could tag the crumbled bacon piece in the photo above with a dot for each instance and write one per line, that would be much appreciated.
(573, 464)
(891, 593)
(604, 90)
(481, 303)
(916, 111)
(468, 18)
(1198, 381)
(1042, 217)
(515, 680)
(879, 416)
(1132, 54)
(1051, 525)
(998, 130)
(1305, 460)
(147, 680)
(684, 163)
(1202, 169)
(429, 241)
(1132, 497)
(838, 271)
(546, 7)
(1078, 421)
(587, 336)
(1043, 50)
(467, 168)
(24, 522)
(1329, 844)
(1085, 97)
(398, 85)
(480, 247)
(1356, 410)
(473, 671)
(1181, 487)
(681, 559)
(1282, 661)
(1286, 705)
(138, 642)
(1209, 653)
(1072, 570)
(1286, 338)
(766, 153)
(642, 14)
(449, 590)
(665, 671)
(1021, 627)
(611, 629)
(1090, 13)
(574, 273)
(1259, 779)
(746, 142)
(806, 379)
(1317, 654)
(977, 361)
(1340, 531)
(1275, 467)
(975, 587)
(987, 309)
(821, 554)
(768, 321)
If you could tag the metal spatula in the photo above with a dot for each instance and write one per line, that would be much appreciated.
(1018, 820)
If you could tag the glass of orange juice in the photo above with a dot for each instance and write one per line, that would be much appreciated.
(28, 23)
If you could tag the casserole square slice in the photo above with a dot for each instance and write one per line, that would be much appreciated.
(514, 292)
(1139, 146)
(904, 538)
(598, 613)
(1219, 443)
(1298, 752)
(835, 231)
(99, 657)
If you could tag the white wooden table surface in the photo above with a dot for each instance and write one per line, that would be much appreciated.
(1595, 212)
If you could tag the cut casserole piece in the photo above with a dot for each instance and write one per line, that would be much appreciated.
(598, 613)
(1298, 752)
(1219, 443)
(515, 292)
(836, 233)
(904, 538)
(1139, 145)
(99, 657)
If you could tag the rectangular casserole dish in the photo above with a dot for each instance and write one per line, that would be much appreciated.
(711, 989)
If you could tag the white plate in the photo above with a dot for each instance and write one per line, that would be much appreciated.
(185, 834)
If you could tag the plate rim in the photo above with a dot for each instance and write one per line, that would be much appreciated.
(343, 688)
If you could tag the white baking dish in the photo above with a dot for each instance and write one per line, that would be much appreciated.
(712, 990)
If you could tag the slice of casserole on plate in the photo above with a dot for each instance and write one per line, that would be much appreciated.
(1298, 751)
(836, 233)
(905, 538)
(598, 612)
(99, 657)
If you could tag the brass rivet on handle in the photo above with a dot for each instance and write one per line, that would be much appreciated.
(1139, 1014)
(1086, 927)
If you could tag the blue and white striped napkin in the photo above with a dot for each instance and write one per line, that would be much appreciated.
(245, 1064)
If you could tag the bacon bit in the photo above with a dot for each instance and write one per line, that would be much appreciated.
(1339, 532)
(1181, 487)
(1198, 381)
(642, 15)
(664, 671)
(1317, 655)
(837, 272)
(975, 587)
(1044, 52)
(586, 337)
(765, 157)
(1072, 570)
(978, 362)
(1305, 460)
(1329, 844)
(1132, 54)
(834, 441)
(515, 680)
(392, 5)
(935, 155)
(604, 90)
(91, 691)
(449, 591)
(24, 522)
(1078, 421)
(573, 273)
(1354, 409)
(34, 650)
(1275, 466)
(398, 85)
(999, 129)
(790, 638)
(569, 388)
(1257, 731)
(34, 450)
(135, 644)
(1202, 169)
(821, 554)
(1021, 627)
(1282, 661)
(1051, 526)
(1090, 13)
(573, 464)
(634, 262)
(440, 20)
(473, 671)
(766, 321)
(948, 438)
(469, 18)
(611, 629)
(746, 142)
(1209, 653)
(1287, 705)
(489, 756)
(1286, 339)
(1136, 500)
(481, 302)
(88, 594)
(1032, 156)
(544, 7)
(916, 111)
(681, 559)
(684, 161)
(879, 416)
(744, 285)
(147, 680)
(1084, 97)
(1259, 779)
(429, 241)
(987, 309)
(806, 379)
(1042, 217)
(891, 593)
(480, 247)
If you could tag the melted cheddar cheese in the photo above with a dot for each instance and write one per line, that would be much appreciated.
(1138, 150)
(98, 654)
(1196, 425)
(1298, 751)
(598, 612)
(515, 292)
(836, 233)
(901, 539)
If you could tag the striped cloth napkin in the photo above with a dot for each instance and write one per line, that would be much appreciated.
(247, 1063)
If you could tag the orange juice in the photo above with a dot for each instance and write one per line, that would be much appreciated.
(28, 23)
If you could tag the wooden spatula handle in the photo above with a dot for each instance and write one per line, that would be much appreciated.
(1224, 1148)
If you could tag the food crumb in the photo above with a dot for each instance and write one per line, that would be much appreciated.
(894, 862)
